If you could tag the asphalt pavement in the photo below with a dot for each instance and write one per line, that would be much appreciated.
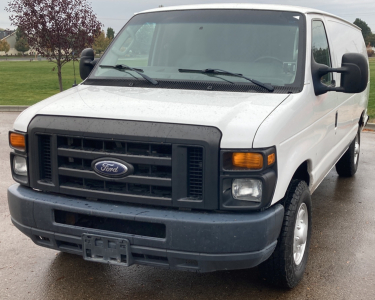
(341, 263)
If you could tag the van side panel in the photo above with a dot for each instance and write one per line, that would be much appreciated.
(303, 126)
(347, 39)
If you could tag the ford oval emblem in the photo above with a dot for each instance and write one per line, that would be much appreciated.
(112, 168)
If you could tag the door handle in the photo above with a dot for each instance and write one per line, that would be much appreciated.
(336, 117)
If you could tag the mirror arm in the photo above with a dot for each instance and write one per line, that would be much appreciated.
(321, 70)
(95, 61)
(89, 62)
(354, 78)
(335, 89)
(327, 70)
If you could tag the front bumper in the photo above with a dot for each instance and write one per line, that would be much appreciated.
(195, 241)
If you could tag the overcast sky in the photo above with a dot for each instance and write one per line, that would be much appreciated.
(115, 13)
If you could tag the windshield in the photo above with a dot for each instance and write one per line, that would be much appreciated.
(266, 46)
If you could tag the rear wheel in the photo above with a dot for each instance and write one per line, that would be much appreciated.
(348, 163)
(287, 264)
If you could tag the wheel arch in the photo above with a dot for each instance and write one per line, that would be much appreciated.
(362, 120)
(303, 172)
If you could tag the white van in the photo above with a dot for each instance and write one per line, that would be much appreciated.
(196, 141)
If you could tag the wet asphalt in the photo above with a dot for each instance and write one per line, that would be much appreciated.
(341, 263)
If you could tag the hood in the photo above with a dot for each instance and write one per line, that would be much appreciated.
(237, 115)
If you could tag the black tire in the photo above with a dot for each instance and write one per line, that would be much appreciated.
(281, 268)
(348, 164)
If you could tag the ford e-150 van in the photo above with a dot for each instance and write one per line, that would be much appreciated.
(195, 142)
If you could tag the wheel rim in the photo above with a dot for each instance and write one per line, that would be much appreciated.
(300, 233)
(356, 150)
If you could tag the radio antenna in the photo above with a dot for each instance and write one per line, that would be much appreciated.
(74, 71)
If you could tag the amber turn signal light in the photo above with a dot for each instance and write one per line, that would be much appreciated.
(247, 160)
(271, 159)
(17, 141)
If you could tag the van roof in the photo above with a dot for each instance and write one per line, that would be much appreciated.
(304, 10)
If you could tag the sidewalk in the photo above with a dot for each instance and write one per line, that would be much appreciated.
(15, 108)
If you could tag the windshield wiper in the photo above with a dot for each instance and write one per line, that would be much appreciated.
(125, 67)
(267, 86)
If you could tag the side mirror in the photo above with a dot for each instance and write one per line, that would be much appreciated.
(354, 74)
(87, 63)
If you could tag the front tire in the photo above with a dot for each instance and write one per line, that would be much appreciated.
(348, 164)
(287, 264)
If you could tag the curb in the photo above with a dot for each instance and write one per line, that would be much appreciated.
(370, 126)
(13, 108)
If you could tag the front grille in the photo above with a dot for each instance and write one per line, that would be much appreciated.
(117, 147)
(115, 187)
(152, 166)
(195, 173)
(171, 165)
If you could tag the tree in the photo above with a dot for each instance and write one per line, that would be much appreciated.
(366, 30)
(55, 28)
(371, 40)
(101, 42)
(4, 46)
(22, 46)
(20, 34)
(110, 33)
(21, 41)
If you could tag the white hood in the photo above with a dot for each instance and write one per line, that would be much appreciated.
(237, 115)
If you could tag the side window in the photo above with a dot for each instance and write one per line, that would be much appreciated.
(320, 48)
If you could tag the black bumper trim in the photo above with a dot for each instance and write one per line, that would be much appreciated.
(174, 260)
(197, 241)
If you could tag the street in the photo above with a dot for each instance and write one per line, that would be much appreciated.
(341, 262)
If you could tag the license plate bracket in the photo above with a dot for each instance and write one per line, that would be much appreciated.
(106, 250)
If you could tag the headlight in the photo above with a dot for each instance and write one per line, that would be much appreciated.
(20, 166)
(247, 189)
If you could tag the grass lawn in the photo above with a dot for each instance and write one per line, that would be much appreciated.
(371, 101)
(25, 83)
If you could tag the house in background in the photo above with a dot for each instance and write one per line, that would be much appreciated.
(5, 32)
(11, 39)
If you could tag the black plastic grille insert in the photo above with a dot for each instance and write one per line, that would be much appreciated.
(45, 158)
(195, 172)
